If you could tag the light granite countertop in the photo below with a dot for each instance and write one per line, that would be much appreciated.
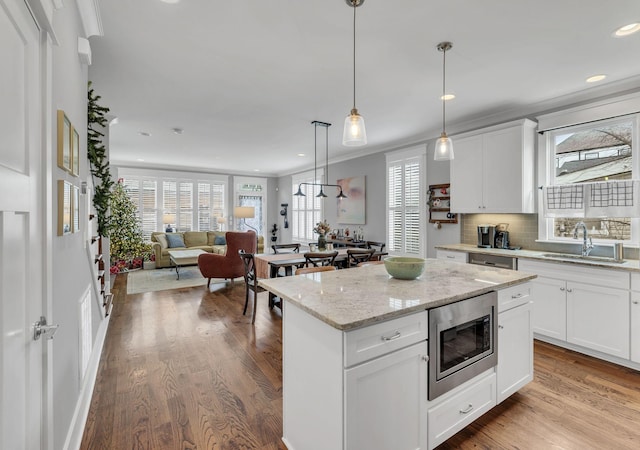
(629, 265)
(352, 298)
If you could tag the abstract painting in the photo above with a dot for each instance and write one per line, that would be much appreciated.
(351, 210)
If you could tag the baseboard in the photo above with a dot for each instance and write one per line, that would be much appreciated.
(79, 419)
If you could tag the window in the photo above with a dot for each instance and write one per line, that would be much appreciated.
(175, 199)
(308, 210)
(597, 151)
(251, 191)
(406, 208)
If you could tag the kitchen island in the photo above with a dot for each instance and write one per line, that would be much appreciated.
(355, 355)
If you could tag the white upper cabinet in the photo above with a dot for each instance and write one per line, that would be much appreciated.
(493, 169)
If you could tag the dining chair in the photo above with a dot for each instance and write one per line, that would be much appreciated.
(316, 259)
(250, 282)
(359, 255)
(377, 246)
(286, 248)
(304, 270)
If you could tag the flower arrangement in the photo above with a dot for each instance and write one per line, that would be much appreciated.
(322, 228)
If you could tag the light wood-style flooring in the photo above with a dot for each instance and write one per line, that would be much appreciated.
(183, 369)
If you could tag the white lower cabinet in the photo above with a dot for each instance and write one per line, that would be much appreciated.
(454, 412)
(584, 306)
(550, 309)
(598, 318)
(451, 255)
(384, 399)
(635, 327)
(515, 350)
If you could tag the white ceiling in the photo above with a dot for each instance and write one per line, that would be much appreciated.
(244, 79)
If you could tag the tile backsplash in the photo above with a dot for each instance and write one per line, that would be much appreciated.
(523, 232)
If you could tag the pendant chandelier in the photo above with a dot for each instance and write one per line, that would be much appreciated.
(444, 145)
(354, 134)
(321, 194)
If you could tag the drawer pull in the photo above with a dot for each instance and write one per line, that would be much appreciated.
(635, 303)
(518, 295)
(562, 289)
(501, 327)
(450, 257)
(569, 290)
(395, 335)
(468, 410)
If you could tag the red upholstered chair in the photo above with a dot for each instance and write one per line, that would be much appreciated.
(229, 265)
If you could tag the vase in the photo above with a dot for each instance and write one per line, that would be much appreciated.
(322, 242)
(149, 265)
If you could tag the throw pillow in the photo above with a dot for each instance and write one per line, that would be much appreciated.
(162, 239)
(220, 240)
(175, 240)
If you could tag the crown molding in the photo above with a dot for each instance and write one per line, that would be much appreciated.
(90, 17)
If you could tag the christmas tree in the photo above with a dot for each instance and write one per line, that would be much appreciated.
(125, 237)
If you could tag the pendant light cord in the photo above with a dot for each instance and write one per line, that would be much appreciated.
(326, 170)
(315, 152)
(354, 52)
(444, 64)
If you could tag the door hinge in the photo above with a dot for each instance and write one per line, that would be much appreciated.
(40, 329)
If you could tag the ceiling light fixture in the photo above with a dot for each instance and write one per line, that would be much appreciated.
(444, 145)
(144, 133)
(354, 134)
(321, 194)
(595, 78)
(177, 130)
(627, 30)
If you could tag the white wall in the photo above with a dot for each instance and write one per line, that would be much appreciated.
(71, 270)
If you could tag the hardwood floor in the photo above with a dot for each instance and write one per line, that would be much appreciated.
(183, 369)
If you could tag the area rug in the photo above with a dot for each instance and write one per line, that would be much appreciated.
(163, 279)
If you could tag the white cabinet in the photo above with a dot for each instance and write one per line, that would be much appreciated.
(598, 318)
(635, 327)
(384, 398)
(515, 350)
(584, 306)
(451, 255)
(493, 170)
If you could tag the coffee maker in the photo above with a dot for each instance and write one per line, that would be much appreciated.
(502, 239)
(486, 236)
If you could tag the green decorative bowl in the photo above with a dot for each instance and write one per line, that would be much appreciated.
(404, 268)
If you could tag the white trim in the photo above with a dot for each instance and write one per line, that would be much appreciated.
(604, 109)
(90, 17)
(79, 419)
(169, 174)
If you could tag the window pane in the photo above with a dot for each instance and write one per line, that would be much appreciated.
(599, 152)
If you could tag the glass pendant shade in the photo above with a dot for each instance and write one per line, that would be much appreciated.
(444, 148)
(355, 134)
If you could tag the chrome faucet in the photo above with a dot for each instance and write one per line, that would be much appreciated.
(586, 247)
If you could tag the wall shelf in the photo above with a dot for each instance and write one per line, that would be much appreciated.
(439, 204)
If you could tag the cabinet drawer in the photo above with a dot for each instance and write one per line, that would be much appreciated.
(379, 339)
(576, 273)
(451, 255)
(514, 296)
(457, 412)
(635, 282)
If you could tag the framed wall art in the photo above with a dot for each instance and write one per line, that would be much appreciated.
(351, 210)
(75, 152)
(64, 142)
(65, 225)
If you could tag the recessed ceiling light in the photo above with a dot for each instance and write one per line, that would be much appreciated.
(144, 133)
(177, 130)
(140, 159)
(256, 170)
(595, 78)
(448, 97)
(301, 154)
(171, 2)
(627, 30)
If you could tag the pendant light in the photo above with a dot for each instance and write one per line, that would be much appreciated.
(444, 145)
(354, 134)
(321, 194)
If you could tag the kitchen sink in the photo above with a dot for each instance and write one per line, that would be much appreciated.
(593, 259)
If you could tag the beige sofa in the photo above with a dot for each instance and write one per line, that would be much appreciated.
(203, 240)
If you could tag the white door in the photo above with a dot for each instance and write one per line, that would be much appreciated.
(21, 229)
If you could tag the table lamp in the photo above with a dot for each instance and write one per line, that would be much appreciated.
(168, 219)
(221, 222)
(244, 213)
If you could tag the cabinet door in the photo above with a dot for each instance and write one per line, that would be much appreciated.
(598, 318)
(515, 350)
(549, 307)
(466, 175)
(385, 399)
(635, 327)
(502, 181)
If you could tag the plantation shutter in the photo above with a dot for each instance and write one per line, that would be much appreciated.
(204, 207)
(185, 204)
(149, 209)
(406, 209)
